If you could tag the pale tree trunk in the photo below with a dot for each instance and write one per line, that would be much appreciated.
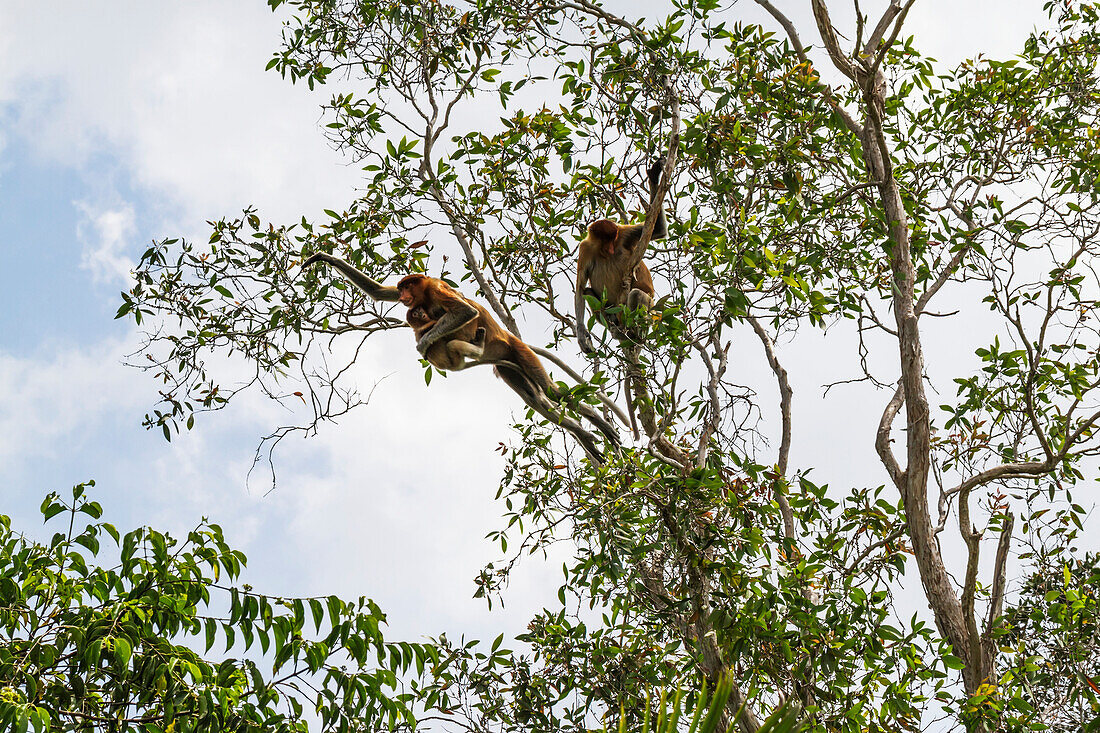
(912, 481)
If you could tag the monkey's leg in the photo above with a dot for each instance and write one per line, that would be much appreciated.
(534, 398)
(638, 304)
(452, 320)
(544, 395)
(608, 403)
(597, 419)
(600, 422)
(463, 350)
(587, 440)
(638, 298)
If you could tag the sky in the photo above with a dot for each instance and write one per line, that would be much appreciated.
(127, 122)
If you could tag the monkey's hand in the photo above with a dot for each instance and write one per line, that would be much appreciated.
(584, 342)
(313, 259)
(653, 173)
(423, 345)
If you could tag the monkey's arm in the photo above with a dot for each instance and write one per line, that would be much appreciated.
(359, 279)
(583, 260)
(458, 314)
(629, 235)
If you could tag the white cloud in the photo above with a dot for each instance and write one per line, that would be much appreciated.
(393, 502)
(105, 234)
(176, 93)
(46, 400)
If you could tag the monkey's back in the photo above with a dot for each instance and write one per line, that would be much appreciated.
(605, 277)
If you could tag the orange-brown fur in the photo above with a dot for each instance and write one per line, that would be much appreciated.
(604, 257)
(512, 360)
(451, 330)
(436, 297)
(442, 355)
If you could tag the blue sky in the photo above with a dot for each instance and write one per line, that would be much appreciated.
(137, 121)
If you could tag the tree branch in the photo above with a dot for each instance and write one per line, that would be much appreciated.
(997, 592)
(714, 418)
(828, 37)
(785, 396)
(880, 28)
(799, 49)
(882, 437)
(972, 540)
(427, 175)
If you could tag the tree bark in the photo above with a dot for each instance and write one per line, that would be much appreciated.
(913, 481)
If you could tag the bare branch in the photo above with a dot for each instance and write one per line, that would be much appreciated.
(893, 36)
(997, 592)
(880, 28)
(1033, 368)
(832, 44)
(943, 277)
(427, 175)
(785, 396)
(715, 417)
(882, 438)
(972, 539)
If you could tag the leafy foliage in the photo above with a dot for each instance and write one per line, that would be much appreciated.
(87, 647)
(1052, 640)
(155, 639)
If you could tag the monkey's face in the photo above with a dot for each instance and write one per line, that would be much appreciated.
(410, 291)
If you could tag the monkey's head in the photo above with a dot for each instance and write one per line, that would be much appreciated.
(417, 317)
(605, 233)
(410, 291)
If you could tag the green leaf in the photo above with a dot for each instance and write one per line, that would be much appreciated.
(123, 651)
(953, 662)
(51, 508)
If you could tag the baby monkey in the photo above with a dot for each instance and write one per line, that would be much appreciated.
(449, 355)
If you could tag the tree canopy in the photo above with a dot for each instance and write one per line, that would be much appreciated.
(135, 645)
(820, 176)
